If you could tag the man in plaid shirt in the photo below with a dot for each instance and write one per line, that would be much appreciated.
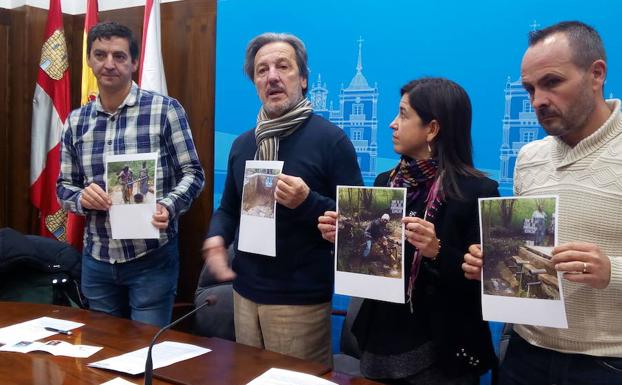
(135, 278)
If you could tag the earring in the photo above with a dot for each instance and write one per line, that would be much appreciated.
(429, 149)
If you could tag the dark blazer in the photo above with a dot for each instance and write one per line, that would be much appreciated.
(447, 306)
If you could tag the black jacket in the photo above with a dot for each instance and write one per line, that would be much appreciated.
(302, 273)
(447, 306)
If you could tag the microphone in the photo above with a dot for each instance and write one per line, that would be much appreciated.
(209, 301)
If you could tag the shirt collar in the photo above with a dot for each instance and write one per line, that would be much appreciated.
(564, 155)
(130, 100)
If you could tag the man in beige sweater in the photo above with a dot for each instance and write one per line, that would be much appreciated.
(564, 70)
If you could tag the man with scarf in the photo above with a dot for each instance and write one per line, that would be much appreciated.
(283, 304)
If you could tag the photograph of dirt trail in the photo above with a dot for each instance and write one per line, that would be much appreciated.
(132, 181)
(518, 235)
(258, 193)
(370, 231)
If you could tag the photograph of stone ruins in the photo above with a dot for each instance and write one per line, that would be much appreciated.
(518, 236)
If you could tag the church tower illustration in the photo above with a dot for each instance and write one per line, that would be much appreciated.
(357, 115)
(519, 126)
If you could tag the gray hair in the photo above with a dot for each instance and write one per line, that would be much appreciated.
(585, 42)
(272, 37)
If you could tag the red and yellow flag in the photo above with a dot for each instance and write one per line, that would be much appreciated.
(89, 83)
(51, 105)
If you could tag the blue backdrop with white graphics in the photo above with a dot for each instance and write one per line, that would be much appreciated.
(361, 52)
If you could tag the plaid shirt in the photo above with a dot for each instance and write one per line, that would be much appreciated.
(144, 122)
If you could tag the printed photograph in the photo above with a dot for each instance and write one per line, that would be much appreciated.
(518, 235)
(370, 231)
(258, 196)
(131, 182)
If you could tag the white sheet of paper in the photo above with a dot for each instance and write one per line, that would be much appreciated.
(118, 381)
(374, 276)
(34, 329)
(275, 376)
(516, 288)
(55, 347)
(128, 219)
(258, 210)
(163, 354)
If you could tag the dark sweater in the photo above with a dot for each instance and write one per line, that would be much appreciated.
(447, 308)
(302, 271)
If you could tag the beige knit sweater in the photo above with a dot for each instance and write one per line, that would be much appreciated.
(588, 180)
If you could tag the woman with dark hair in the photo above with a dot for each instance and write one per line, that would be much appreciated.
(438, 336)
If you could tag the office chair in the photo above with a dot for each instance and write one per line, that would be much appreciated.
(215, 320)
(347, 361)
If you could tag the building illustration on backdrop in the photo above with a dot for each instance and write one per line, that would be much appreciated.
(519, 127)
(356, 115)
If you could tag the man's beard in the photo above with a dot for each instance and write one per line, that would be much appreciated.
(573, 119)
(281, 109)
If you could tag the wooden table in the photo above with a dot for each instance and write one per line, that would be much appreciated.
(228, 363)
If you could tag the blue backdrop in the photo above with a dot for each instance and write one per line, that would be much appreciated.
(478, 44)
(361, 52)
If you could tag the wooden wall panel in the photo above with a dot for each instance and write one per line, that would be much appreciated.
(27, 26)
(5, 24)
(192, 83)
(74, 40)
(188, 32)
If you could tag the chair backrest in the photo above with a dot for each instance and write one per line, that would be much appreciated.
(504, 341)
(215, 320)
(348, 343)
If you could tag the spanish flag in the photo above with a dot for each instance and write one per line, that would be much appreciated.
(89, 83)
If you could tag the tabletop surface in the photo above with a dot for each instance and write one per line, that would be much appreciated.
(228, 363)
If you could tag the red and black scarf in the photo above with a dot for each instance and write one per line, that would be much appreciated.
(419, 177)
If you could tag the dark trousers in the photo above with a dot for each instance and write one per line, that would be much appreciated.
(526, 364)
(142, 289)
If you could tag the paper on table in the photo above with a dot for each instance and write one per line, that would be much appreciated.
(277, 376)
(55, 347)
(118, 381)
(34, 329)
(163, 354)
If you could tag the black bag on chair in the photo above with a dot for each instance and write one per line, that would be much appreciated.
(39, 270)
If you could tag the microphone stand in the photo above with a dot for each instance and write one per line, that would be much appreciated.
(210, 300)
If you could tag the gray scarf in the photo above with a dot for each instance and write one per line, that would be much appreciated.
(268, 131)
